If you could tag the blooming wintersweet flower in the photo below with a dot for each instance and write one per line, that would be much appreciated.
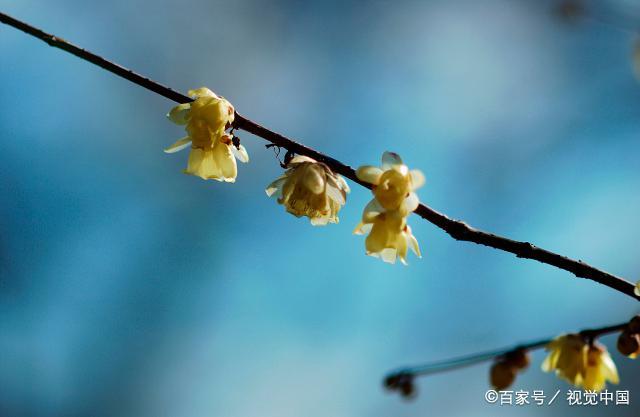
(389, 236)
(384, 218)
(213, 154)
(393, 184)
(566, 357)
(586, 365)
(599, 369)
(310, 188)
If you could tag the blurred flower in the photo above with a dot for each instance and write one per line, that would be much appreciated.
(629, 339)
(502, 375)
(586, 365)
(629, 344)
(566, 357)
(504, 370)
(384, 218)
(634, 324)
(310, 188)
(599, 368)
(636, 290)
(518, 358)
(213, 154)
(402, 382)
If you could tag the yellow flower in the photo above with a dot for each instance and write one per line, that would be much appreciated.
(389, 237)
(393, 184)
(582, 364)
(213, 155)
(310, 188)
(384, 218)
(566, 357)
(599, 369)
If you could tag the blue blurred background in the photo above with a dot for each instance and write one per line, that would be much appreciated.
(130, 289)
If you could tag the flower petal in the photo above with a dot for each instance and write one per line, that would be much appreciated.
(195, 160)
(201, 92)
(225, 161)
(209, 169)
(320, 221)
(313, 179)
(390, 159)
(401, 248)
(343, 184)
(417, 178)
(549, 363)
(413, 244)
(336, 195)
(276, 187)
(334, 192)
(609, 369)
(298, 159)
(370, 174)
(362, 228)
(388, 255)
(240, 153)
(412, 202)
(180, 114)
(179, 145)
(372, 210)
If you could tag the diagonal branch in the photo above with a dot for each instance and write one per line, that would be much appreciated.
(395, 379)
(455, 228)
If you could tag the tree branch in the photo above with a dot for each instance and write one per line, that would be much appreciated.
(455, 228)
(395, 379)
(573, 10)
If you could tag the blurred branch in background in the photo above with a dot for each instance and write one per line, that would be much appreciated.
(574, 11)
(577, 11)
(403, 380)
(457, 229)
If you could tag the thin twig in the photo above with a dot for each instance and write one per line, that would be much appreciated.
(455, 228)
(476, 358)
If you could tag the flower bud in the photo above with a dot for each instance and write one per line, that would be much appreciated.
(403, 383)
(518, 358)
(502, 375)
(408, 390)
(634, 325)
(629, 343)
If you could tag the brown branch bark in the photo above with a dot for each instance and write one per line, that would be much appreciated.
(455, 228)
